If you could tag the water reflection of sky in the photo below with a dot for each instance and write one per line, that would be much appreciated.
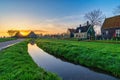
(66, 70)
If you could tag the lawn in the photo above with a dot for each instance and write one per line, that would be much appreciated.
(106, 41)
(102, 56)
(16, 64)
(6, 39)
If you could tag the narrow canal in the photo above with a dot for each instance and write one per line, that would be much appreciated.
(66, 70)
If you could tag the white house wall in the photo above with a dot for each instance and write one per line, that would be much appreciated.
(80, 35)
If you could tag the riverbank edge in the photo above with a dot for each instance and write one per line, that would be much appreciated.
(16, 64)
(62, 57)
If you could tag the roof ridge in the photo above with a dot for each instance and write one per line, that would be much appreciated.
(113, 16)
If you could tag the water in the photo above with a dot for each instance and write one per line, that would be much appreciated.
(66, 70)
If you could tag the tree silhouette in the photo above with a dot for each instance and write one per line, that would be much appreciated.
(117, 10)
(12, 32)
(95, 17)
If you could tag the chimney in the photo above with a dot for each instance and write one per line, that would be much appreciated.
(80, 25)
(87, 23)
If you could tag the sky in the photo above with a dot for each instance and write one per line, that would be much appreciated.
(50, 16)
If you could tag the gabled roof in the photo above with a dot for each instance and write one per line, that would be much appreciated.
(82, 28)
(31, 33)
(112, 22)
(18, 34)
(72, 30)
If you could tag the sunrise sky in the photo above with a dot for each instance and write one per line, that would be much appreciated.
(50, 16)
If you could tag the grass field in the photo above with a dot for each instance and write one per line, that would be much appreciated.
(6, 39)
(16, 64)
(102, 56)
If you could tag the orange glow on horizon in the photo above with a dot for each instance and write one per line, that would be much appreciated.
(24, 33)
(4, 33)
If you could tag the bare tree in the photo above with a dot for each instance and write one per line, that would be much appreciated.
(117, 10)
(95, 17)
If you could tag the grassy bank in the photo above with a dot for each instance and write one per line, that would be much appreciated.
(102, 56)
(16, 64)
(6, 39)
(105, 41)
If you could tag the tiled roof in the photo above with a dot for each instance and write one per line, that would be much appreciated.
(82, 28)
(113, 22)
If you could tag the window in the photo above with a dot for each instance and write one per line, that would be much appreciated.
(83, 36)
(76, 35)
(79, 31)
(117, 33)
(106, 32)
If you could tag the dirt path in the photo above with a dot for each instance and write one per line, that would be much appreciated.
(9, 43)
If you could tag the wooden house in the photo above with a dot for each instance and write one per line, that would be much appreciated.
(85, 32)
(111, 27)
(70, 32)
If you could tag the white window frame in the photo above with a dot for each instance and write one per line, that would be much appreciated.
(117, 31)
(106, 32)
(79, 31)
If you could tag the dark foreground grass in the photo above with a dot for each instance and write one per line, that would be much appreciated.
(16, 64)
(102, 56)
(6, 39)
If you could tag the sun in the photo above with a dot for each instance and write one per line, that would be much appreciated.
(24, 33)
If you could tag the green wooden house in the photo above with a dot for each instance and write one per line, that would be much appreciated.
(85, 32)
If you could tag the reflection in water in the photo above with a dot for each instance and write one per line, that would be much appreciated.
(66, 70)
(32, 42)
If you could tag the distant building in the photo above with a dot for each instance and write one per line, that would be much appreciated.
(40, 35)
(32, 35)
(85, 32)
(111, 27)
(18, 35)
(65, 35)
(70, 33)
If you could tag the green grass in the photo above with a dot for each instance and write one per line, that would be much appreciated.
(6, 39)
(16, 64)
(71, 39)
(107, 41)
(103, 56)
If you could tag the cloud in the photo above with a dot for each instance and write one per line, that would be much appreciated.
(51, 25)
(66, 18)
(60, 25)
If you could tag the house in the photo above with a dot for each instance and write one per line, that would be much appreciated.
(18, 35)
(70, 32)
(85, 32)
(111, 27)
(32, 35)
(29, 35)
